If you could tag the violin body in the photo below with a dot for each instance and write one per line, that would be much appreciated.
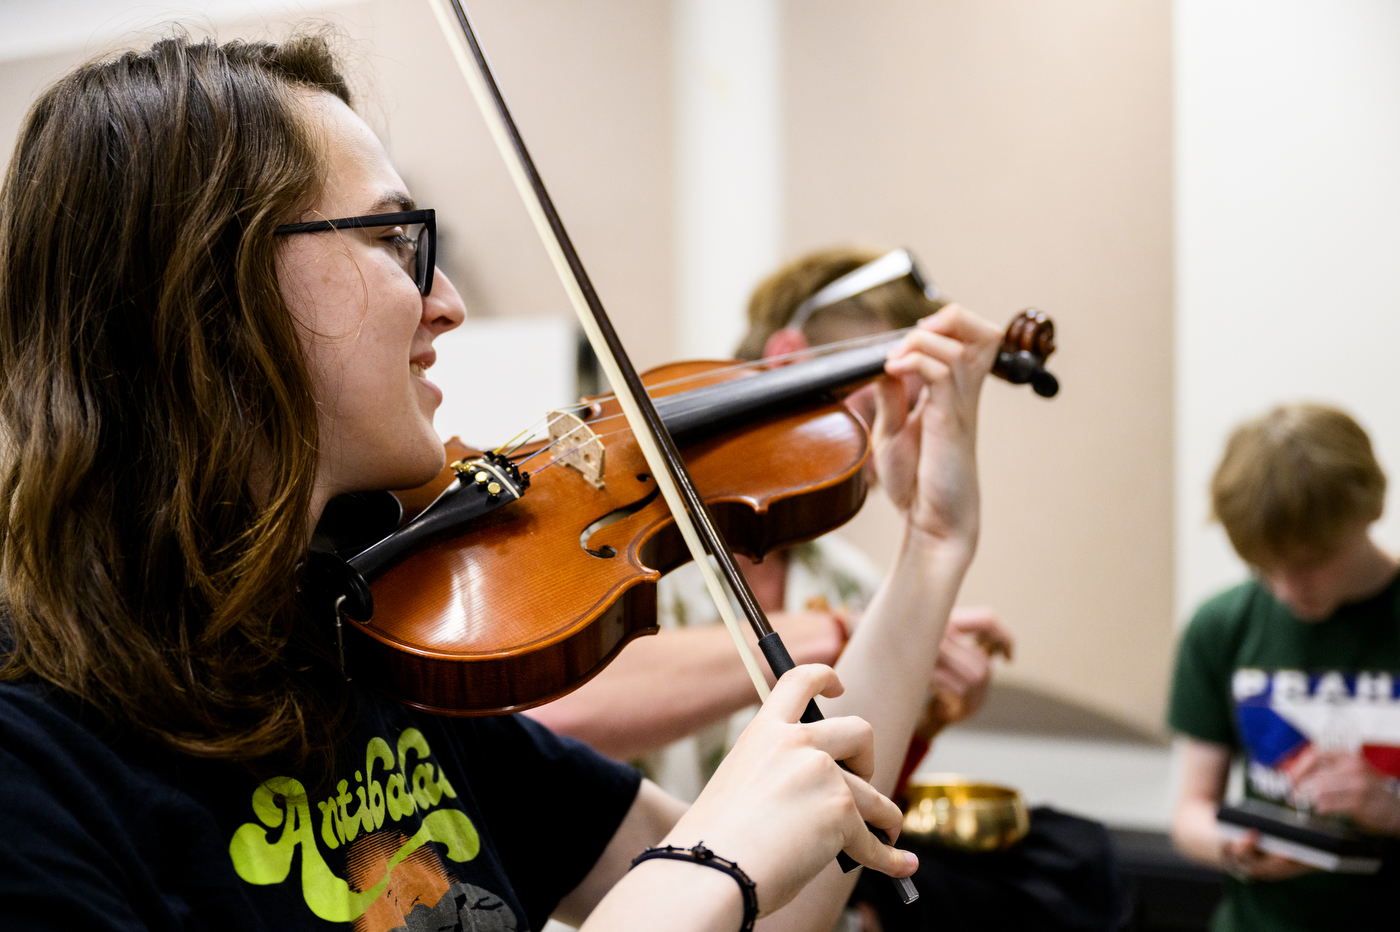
(531, 600)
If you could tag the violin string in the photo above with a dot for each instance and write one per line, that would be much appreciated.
(527, 433)
(557, 440)
(584, 426)
(548, 422)
(555, 460)
(564, 456)
(525, 436)
(811, 352)
(612, 433)
(772, 362)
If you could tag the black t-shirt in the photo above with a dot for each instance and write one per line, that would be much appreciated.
(431, 823)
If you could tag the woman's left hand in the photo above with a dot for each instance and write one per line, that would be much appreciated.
(926, 455)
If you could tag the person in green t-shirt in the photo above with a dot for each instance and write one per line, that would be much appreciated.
(1297, 670)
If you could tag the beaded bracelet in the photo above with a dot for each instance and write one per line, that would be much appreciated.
(702, 855)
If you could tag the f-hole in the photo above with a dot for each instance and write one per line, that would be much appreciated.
(607, 552)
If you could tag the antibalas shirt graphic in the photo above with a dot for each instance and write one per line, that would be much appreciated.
(391, 874)
(429, 823)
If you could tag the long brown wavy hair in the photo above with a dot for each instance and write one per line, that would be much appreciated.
(156, 414)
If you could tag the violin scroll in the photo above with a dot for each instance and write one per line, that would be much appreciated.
(1029, 341)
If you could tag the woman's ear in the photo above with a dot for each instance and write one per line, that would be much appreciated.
(784, 341)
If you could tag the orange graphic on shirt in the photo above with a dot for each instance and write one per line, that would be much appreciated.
(419, 878)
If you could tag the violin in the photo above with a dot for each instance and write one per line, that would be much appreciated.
(489, 602)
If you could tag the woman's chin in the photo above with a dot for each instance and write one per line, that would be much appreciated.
(419, 463)
(427, 465)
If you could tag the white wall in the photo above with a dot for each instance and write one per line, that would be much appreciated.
(1287, 236)
(728, 167)
(491, 392)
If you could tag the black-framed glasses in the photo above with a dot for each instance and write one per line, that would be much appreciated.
(892, 266)
(416, 246)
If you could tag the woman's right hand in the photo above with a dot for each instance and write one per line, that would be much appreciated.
(781, 808)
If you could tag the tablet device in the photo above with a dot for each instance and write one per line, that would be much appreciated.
(1318, 841)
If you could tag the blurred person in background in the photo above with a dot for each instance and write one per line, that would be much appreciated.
(1296, 672)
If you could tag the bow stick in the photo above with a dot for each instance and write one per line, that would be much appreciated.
(688, 509)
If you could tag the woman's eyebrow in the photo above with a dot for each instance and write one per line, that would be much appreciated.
(392, 202)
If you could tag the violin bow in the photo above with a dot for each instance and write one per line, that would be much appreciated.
(688, 508)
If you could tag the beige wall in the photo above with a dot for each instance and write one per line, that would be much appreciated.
(20, 82)
(1023, 150)
(589, 87)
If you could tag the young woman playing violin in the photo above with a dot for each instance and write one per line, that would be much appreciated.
(187, 378)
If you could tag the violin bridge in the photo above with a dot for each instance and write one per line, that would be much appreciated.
(582, 450)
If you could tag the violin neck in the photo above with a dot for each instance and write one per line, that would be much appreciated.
(715, 407)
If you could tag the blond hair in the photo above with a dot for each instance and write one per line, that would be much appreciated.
(893, 305)
(1293, 482)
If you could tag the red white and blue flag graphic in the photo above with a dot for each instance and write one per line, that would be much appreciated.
(1283, 712)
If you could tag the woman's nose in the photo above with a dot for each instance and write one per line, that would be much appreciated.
(443, 309)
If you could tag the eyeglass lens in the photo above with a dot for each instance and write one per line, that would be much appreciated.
(421, 273)
(415, 250)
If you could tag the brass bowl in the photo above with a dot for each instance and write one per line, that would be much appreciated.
(957, 812)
